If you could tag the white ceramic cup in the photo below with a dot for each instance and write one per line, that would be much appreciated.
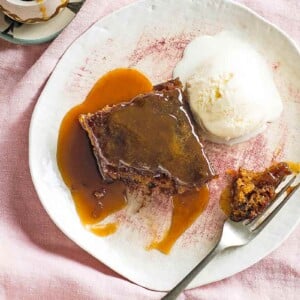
(32, 11)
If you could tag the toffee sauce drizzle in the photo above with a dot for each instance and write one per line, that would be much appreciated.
(95, 199)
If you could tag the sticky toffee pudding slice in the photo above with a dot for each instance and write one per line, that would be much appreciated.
(150, 142)
(253, 191)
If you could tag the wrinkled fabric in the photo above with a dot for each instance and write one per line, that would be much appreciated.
(37, 261)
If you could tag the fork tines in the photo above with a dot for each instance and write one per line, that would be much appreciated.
(284, 191)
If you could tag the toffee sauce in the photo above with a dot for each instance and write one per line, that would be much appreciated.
(95, 199)
(225, 200)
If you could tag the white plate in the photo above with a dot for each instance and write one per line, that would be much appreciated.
(151, 35)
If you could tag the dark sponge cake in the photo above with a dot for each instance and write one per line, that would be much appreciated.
(150, 142)
(253, 191)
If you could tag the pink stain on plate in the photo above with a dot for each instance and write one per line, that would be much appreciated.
(294, 93)
(153, 219)
(162, 54)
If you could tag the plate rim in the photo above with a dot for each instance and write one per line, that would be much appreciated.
(241, 6)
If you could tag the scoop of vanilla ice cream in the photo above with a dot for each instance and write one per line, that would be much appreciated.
(231, 90)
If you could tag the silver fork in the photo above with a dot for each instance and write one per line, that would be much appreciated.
(240, 233)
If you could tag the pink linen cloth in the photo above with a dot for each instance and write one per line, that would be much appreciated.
(36, 260)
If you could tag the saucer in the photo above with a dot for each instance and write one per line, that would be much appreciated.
(29, 34)
(32, 11)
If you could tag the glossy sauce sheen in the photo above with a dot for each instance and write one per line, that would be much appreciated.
(79, 170)
(225, 200)
(151, 135)
(74, 153)
(294, 166)
(186, 209)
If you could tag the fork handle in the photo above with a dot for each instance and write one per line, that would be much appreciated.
(174, 293)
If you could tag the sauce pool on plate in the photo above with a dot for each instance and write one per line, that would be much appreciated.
(95, 199)
(75, 157)
(186, 209)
